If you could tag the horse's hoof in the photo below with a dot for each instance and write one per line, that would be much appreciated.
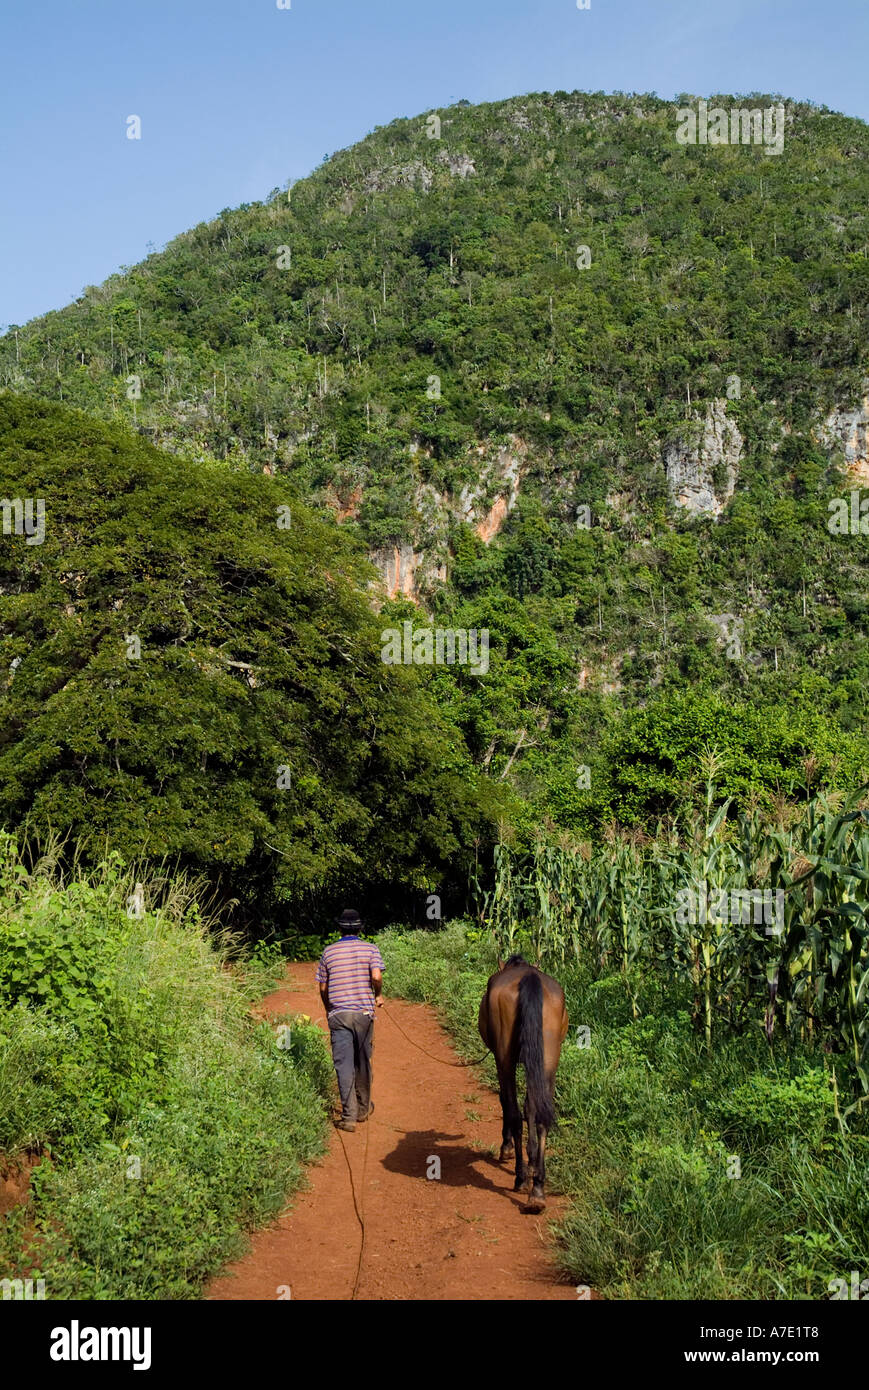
(537, 1201)
(505, 1154)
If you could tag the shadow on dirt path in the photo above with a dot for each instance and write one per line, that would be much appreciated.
(464, 1236)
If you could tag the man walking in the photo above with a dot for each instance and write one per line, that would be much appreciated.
(350, 976)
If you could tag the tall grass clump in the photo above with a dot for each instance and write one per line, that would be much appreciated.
(162, 1120)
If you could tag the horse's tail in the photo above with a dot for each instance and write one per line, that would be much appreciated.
(531, 1049)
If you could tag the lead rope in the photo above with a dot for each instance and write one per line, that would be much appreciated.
(358, 1207)
(360, 1214)
(472, 1063)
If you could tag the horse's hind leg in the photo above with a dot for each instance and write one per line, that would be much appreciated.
(513, 1121)
(533, 1144)
(539, 1181)
(506, 1118)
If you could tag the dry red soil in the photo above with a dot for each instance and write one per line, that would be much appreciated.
(464, 1236)
(15, 1183)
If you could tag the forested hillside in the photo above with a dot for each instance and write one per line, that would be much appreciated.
(569, 381)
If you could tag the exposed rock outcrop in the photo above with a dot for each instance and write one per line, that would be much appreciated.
(403, 570)
(458, 164)
(416, 173)
(399, 175)
(848, 430)
(702, 471)
(493, 521)
(501, 475)
(346, 508)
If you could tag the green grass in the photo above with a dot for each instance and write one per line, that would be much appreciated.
(168, 1123)
(654, 1128)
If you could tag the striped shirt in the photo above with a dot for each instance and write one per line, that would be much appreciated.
(346, 967)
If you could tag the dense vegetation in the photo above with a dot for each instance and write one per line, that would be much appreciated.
(304, 334)
(693, 1173)
(752, 926)
(253, 732)
(163, 1123)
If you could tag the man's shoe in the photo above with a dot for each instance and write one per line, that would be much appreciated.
(349, 1125)
(362, 1118)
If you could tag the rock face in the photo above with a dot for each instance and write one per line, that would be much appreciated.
(460, 165)
(434, 511)
(848, 430)
(402, 570)
(484, 506)
(398, 175)
(416, 174)
(692, 465)
(502, 475)
(345, 508)
(492, 523)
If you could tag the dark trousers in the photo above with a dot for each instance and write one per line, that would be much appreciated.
(352, 1034)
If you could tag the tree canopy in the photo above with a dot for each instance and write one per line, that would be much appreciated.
(193, 671)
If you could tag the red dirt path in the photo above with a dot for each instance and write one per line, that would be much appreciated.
(462, 1237)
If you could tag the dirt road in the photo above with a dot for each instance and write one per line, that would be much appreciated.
(460, 1236)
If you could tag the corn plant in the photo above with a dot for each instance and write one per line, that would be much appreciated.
(798, 972)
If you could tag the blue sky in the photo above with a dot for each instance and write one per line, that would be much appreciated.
(237, 96)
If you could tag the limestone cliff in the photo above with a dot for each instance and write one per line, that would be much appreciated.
(405, 570)
(848, 430)
(703, 464)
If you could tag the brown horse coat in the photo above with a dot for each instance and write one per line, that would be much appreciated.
(523, 1018)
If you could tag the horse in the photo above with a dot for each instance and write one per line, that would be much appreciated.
(523, 1019)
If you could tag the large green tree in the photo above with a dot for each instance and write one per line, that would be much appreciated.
(192, 669)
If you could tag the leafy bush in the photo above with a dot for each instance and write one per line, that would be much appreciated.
(169, 1122)
(766, 1108)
